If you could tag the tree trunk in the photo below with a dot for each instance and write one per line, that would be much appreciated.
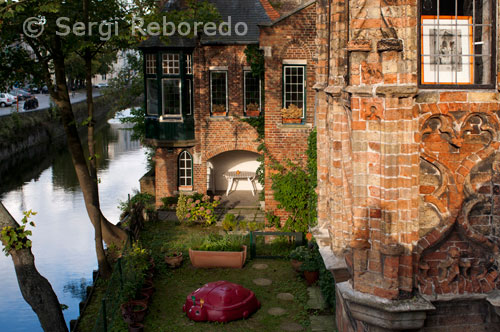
(87, 184)
(36, 290)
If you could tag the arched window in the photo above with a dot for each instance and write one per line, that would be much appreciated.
(185, 169)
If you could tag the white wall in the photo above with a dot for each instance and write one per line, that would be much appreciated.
(233, 161)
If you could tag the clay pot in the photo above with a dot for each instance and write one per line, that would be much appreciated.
(311, 277)
(135, 327)
(219, 113)
(292, 120)
(133, 312)
(175, 260)
(143, 298)
(148, 288)
(296, 264)
(252, 113)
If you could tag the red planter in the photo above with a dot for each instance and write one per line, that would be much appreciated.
(311, 277)
(252, 113)
(143, 298)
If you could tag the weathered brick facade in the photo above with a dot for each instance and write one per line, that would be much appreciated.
(408, 178)
(292, 39)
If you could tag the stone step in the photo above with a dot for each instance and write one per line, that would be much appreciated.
(316, 300)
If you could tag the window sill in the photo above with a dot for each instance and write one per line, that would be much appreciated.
(287, 126)
(171, 119)
(185, 188)
(219, 118)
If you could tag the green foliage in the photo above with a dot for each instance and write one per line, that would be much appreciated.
(182, 209)
(16, 238)
(255, 58)
(202, 210)
(229, 223)
(313, 261)
(295, 191)
(136, 263)
(216, 242)
(258, 123)
(144, 199)
(137, 119)
(300, 254)
(327, 285)
(169, 203)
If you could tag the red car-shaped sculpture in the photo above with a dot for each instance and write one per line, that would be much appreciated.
(220, 301)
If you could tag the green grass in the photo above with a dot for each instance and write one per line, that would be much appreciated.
(173, 286)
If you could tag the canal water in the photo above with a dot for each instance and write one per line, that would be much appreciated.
(63, 242)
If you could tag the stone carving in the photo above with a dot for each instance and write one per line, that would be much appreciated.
(460, 183)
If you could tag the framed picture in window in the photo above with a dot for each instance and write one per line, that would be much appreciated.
(446, 50)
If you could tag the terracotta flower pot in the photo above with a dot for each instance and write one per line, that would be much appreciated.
(291, 120)
(311, 277)
(143, 298)
(135, 327)
(148, 288)
(133, 312)
(218, 113)
(252, 113)
(234, 259)
(296, 264)
(175, 260)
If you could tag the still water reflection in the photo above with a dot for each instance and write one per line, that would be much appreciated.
(63, 238)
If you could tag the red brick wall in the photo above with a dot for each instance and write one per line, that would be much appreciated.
(291, 39)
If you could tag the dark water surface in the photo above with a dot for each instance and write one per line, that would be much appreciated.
(63, 242)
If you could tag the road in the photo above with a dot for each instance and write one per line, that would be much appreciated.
(43, 102)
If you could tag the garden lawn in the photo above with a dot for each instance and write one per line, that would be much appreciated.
(173, 285)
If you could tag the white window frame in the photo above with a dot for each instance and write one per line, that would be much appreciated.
(171, 116)
(150, 64)
(245, 91)
(304, 88)
(187, 156)
(211, 94)
(171, 63)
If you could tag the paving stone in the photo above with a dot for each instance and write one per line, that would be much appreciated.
(276, 311)
(285, 296)
(316, 300)
(322, 323)
(290, 326)
(262, 282)
(260, 266)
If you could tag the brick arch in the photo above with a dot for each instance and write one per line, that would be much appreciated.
(294, 48)
(226, 148)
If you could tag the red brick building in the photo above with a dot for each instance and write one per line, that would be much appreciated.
(408, 163)
(197, 91)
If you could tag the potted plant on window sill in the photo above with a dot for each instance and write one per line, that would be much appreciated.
(218, 110)
(252, 110)
(219, 251)
(291, 114)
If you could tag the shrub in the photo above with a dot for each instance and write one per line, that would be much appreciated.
(229, 222)
(182, 209)
(169, 203)
(300, 253)
(202, 211)
(139, 199)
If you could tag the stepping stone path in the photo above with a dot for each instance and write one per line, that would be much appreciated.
(289, 326)
(276, 311)
(316, 300)
(262, 282)
(285, 296)
(322, 323)
(260, 266)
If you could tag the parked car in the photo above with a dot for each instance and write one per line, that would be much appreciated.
(31, 88)
(5, 100)
(44, 89)
(101, 85)
(21, 94)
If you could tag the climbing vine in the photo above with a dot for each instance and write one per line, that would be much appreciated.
(255, 58)
(16, 238)
(295, 190)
